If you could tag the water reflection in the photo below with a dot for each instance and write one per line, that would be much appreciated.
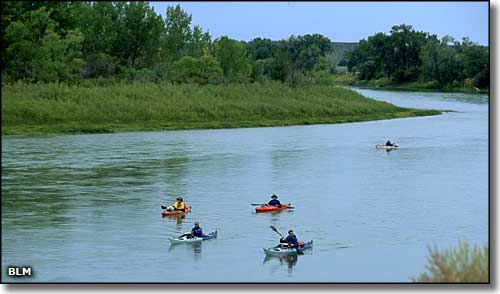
(187, 247)
(288, 260)
(178, 219)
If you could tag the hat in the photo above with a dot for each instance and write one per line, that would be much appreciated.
(274, 196)
(179, 198)
(196, 223)
(290, 231)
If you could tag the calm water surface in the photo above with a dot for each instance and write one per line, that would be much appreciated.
(86, 208)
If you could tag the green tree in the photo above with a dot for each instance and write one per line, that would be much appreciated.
(202, 70)
(233, 59)
(139, 29)
(98, 23)
(38, 53)
(199, 42)
(177, 33)
(260, 48)
(474, 59)
(440, 61)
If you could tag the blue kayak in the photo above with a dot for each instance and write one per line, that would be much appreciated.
(189, 239)
(278, 251)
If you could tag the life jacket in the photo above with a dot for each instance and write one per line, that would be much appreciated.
(179, 206)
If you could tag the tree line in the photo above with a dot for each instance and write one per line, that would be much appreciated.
(47, 41)
(406, 55)
(66, 41)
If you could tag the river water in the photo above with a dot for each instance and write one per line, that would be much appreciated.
(86, 208)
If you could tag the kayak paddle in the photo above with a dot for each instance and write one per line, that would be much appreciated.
(257, 204)
(274, 229)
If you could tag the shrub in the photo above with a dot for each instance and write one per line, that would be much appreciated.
(457, 265)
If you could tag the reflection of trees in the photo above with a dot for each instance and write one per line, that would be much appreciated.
(40, 190)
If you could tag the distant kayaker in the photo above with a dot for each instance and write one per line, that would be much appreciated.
(196, 231)
(179, 204)
(388, 143)
(274, 201)
(291, 239)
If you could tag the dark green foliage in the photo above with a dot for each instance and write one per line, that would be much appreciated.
(45, 41)
(407, 56)
(233, 59)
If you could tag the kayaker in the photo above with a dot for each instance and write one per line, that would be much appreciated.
(291, 239)
(196, 231)
(388, 143)
(274, 201)
(179, 204)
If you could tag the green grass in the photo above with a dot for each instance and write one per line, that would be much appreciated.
(462, 264)
(95, 107)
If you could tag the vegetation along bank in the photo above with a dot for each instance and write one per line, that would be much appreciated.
(120, 106)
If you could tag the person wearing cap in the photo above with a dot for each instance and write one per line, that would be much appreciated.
(291, 240)
(196, 231)
(179, 204)
(274, 201)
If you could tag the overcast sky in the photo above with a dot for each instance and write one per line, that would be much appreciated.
(339, 21)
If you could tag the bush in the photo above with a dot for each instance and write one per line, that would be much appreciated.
(457, 265)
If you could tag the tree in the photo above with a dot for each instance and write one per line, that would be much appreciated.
(38, 53)
(475, 63)
(139, 29)
(202, 70)
(233, 59)
(305, 51)
(259, 48)
(177, 33)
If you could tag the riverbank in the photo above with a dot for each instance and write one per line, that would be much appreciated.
(30, 109)
(388, 85)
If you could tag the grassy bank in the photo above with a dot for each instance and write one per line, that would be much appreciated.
(94, 108)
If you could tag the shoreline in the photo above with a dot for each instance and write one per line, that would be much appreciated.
(77, 129)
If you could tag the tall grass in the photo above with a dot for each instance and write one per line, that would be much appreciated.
(120, 106)
(462, 264)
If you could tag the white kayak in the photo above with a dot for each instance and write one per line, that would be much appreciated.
(278, 251)
(381, 146)
(189, 239)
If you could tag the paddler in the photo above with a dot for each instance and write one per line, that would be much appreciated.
(274, 201)
(196, 231)
(291, 240)
(179, 204)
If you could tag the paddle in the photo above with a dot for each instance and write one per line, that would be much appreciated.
(274, 229)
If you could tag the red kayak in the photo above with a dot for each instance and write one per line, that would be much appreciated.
(266, 208)
(175, 212)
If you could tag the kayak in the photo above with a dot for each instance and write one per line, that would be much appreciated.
(380, 146)
(175, 212)
(266, 208)
(185, 239)
(278, 251)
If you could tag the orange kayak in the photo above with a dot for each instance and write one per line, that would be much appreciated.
(266, 208)
(175, 212)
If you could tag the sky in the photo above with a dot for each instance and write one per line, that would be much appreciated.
(339, 21)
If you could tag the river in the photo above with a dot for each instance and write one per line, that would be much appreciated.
(86, 208)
